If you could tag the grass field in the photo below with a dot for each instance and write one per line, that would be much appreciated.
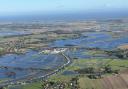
(116, 64)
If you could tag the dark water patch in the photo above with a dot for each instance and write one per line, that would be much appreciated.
(69, 73)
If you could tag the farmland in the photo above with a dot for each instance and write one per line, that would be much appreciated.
(64, 55)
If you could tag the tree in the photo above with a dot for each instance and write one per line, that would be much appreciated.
(108, 69)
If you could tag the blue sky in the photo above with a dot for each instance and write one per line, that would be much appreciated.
(13, 7)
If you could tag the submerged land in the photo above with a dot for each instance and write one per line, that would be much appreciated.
(89, 54)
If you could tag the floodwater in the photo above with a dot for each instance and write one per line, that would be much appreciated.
(101, 40)
(30, 59)
(12, 33)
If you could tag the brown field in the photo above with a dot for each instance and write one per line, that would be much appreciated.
(123, 46)
(119, 81)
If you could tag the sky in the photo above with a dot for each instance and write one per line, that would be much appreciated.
(19, 7)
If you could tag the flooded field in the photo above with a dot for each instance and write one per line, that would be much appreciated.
(60, 54)
(103, 40)
(12, 33)
(29, 63)
(31, 59)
